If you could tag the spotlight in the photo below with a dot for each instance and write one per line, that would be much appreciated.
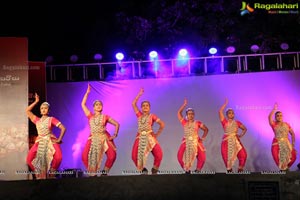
(284, 46)
(119, 56)
(230, 49)
(153, 54)
(74, 58)
(97, 57)
(212, 51)
(183, 52)
(254, 48)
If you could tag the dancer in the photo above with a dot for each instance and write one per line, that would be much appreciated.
(231, 146)
(146, 140)
(45, 156)
(99, 141)
(283, 151)
(192, 145)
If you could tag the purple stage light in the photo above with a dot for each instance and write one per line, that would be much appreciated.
(74, 58)
(49, 59)
(254, 48)
(284, 46)
(98, 57)
(230, 49)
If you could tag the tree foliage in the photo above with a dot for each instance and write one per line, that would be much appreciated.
(201, 23)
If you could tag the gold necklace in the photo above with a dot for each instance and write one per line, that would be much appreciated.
(190, 125)
(144, 119)
(43, 118)
(97, 120)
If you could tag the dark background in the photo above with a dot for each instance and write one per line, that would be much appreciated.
(64, 28)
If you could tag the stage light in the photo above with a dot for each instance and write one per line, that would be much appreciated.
(97, 57)
(74, 58)
(254, 48)
(284, 46)
(119, 56)
(153, 54)
(230, 49)
(49, 59)
(213, 51)
(183, 52)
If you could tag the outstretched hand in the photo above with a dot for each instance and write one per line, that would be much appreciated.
(141, 91)
(226, 101)
(275, 106)
(37, 97)
(184, 102)
(88, 89)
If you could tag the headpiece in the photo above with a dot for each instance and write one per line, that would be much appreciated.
(46, 103)
(96, 102)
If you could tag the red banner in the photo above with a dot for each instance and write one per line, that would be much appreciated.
(13, 101)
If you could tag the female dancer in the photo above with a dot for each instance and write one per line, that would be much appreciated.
(45, 156)
(146, 139)
(191, 146)
(99, 141)
(231, 146)
(283, 151)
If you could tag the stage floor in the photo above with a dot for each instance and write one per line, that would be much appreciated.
(248, 186)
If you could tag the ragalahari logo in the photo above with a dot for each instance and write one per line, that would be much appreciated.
(246, 9)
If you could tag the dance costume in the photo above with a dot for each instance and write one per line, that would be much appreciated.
(97, 144)
(282, 151)
(231, 146)
(44, 154)
(191, 146)
(145, 142)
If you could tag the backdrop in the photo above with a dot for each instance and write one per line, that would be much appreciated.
(13, 102)
(251, 95)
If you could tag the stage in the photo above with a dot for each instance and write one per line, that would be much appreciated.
(247, 186)
(251, 95)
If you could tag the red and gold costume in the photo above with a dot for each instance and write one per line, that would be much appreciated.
(97, 144)
(44, 154)
(146, 142)
(231, 146)
(191, 146)
(283, 153)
